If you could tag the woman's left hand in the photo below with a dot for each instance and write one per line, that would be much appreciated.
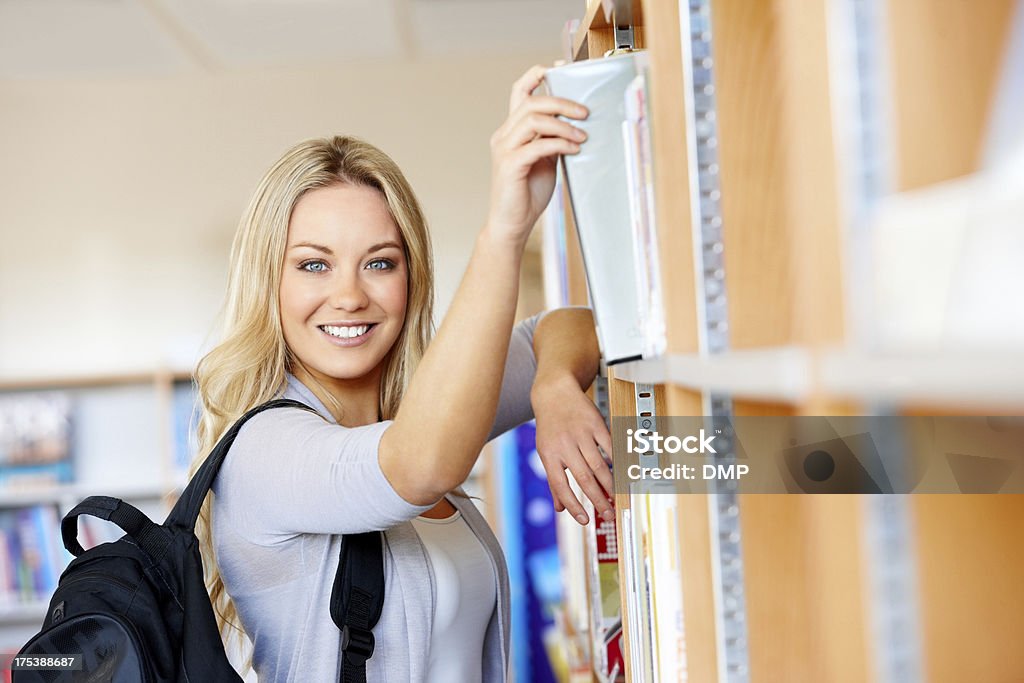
(570, 429)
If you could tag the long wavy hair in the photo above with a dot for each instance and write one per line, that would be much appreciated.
(249, 365)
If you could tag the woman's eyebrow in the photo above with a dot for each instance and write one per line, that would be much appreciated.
(383, 245)
(311, 245)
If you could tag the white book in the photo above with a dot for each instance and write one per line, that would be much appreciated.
(599, 193)
(646, 265)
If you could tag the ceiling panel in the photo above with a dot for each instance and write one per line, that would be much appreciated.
(156, 38)
(239, 33)
(468, 27)
(69, 38)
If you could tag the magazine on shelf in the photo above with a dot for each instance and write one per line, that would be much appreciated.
(35, 439)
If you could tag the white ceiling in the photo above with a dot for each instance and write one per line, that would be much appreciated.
(118, 38)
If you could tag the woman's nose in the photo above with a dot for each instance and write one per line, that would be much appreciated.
(348, 294)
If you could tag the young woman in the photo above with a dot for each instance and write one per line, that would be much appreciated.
(329, 303)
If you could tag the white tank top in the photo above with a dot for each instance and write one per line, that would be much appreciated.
(466, 591)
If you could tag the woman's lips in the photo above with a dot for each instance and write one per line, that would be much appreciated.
(348, 341)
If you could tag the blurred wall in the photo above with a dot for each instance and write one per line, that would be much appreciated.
(118, 199)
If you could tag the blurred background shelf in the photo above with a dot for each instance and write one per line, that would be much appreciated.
(64, 382)
(24, 613)
(126, 435)
(68, 495)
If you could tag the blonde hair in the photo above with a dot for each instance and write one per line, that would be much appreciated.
(248, 367)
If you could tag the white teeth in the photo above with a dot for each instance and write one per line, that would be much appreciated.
(345, 332)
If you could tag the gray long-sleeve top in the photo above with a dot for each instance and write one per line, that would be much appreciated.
(292, 485)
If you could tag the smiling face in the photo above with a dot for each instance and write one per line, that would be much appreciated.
(344, 283)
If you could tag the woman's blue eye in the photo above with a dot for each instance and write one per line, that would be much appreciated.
(380, 264)
(314, 266)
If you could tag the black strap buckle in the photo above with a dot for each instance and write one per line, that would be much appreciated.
(357, 641)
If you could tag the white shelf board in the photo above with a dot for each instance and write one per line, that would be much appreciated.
(965, 379)
(975, 379)
(777, 374)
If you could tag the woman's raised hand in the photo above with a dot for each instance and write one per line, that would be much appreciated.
(524, 151)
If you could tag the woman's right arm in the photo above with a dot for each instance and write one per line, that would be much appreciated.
(449, 406)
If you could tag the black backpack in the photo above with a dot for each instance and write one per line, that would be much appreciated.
(136, 610)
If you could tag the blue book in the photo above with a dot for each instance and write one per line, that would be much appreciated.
(6, 562)
(47, 533)
(31, 552)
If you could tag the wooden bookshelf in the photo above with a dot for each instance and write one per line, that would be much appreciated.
(596, 34)
(785, 167)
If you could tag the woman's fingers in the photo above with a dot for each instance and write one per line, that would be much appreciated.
(603, 437)
(540, 125)
(546, 106)
(538, 117)
(524, 87)
(562, 493)
(523, 154)
(588, 482)
(529, 154)
(555, 500)
(599, 467)
(552, 106)
(578, 451)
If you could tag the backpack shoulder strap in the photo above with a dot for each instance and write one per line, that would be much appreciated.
(186, 510)
(357, 600)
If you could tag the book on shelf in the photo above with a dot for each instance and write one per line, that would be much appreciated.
(637, 588)
(600, 191)
(945, 258)
(184, 423)
(1004, 133)
(652, 567)
(636, 135)
(665, 580)
(554, 252)
(956, 295)
(32, 555)
(590, 623)
(569, 30)
(35, 439)
(605, 602)
(574, 621)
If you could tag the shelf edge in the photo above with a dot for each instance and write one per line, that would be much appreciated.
(778, 374)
